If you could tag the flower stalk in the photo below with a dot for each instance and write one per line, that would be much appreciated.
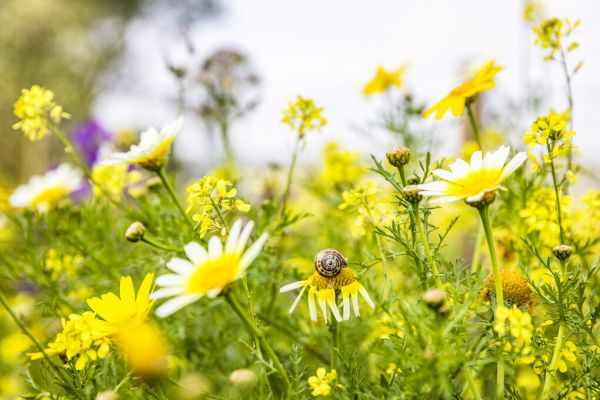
(432, 263)
(554, 360)
(167, 184)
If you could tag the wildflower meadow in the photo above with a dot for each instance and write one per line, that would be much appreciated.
(416, 272)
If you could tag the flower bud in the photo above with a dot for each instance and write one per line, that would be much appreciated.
(434, 298)
(412, 194)
(413, 180)
(108, 395)
(398, 156)
(483, 199)
(243, 378)
(562, 251)
(135, 232)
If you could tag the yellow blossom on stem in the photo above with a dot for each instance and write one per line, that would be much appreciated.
(384, 80)
(367, 200)
(551, 34)
(36, 109)
(304, 116)
(322, 382)
(341, 168)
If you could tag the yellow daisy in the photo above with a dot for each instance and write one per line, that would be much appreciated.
(43, 192)
(470, 182)
(331, 278)
(458, 97)
(153, 149)
(384, 80)
(207, 273)
(128, 309)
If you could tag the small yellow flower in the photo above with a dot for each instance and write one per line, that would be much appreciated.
(518, 324)
(322, 382)
(36, 109)
(552, 33)
(304, 116)
(528, 381)
(115, 180)
(341, 168)
(366, 199)
(144, 350)
(457, 99)
(384, 80)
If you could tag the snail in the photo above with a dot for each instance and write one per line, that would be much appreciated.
(329, 263)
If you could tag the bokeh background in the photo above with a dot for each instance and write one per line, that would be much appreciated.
(135, 63)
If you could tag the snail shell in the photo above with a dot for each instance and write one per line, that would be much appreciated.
(329, 263)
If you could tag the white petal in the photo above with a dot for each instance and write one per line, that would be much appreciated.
(323, 305)
(170, 280)
(212, 293)
(297, 300)
(195, 252)
(253, 251)
(244, 236)
(460, 168)
(234, 235)
(365, 294)
(180, 266)
(437, 186)
(442, 173)
(346, 305)
(166, 292)
(476, 161)
(334, 310)
(355, 304)
(512, 165)
(215, 248)
(312, 307)
(292, 286)
(175, 304)
(444, 199)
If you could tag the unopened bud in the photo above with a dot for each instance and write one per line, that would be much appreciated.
(108, 395)
(398, 156)
(562, 251)
(434, 298)
(135, 232)
(412, 194)
(483, 199)
(243, 378)
(413, 180)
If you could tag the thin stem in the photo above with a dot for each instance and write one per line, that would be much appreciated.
(474, 126)
(472, 385)
(554, 361)
(290, 176)
(159, 246)
(412, 216)
(565, 68)
(425, 241)
(333, 344)
(557, 196)
(487, 227)
(220, 214)
(167, 184)
(477, 250)
(500, 379)
(258, 334)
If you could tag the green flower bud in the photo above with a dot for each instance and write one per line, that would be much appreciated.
(398, 156)
(135, 232)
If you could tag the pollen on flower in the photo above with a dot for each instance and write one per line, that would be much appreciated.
(515, 287)
(344, 278)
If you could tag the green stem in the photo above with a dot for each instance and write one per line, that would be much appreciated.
(412, 216)
(167, 184)
(220, 214)
(565, 68)
(425, 241)
(487, 227)
(333, 333)
(500, 379)
(258, 334)
(477, 250)
(474, 126)
(290, 176)
(554, 361)
(472, 385)
(557, 196)
(159, 246)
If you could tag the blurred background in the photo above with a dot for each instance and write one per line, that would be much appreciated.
(121, 66)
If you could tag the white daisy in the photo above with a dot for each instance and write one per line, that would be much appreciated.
(43, 192)
(152, 151)
(207, 273)
(471, 181)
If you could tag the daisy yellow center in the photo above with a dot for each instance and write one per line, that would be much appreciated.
(475, 183)
(344, 278)
(214, 274)
(156, 157)
(51, 195)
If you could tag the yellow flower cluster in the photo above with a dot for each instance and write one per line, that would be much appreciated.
(384, 80)
(539, 214)
(533, 11)
(321, 383)
(210, 200)
(518, 324)
(83, 337)
(114, 180)
(62, 264)
(341, 168)
(35, 108)
(567, 359)
(551, 34)
(367, 200)
(304, 116)
(551, 132)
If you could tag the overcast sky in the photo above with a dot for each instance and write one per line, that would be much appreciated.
(329, 49)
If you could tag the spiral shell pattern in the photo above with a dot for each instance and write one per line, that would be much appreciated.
(329, 263)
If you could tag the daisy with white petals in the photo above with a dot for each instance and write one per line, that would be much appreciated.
(43, 192)
(207, 272)
(153, 149)
(470, 182)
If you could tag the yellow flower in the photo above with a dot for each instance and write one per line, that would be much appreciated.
(551, 33)
(144, 350)
(518, 324)
(321, 383)
(514, 286)
(539, 214)
(533, 11)
(470, 182)
(568, 357)
(207, 273)
(456, 100)
(127, 309)
(341, 168)
(43, 192)
(35, 108)
(62, 264)
(367, 200)
(83, 337)
(384, 80)
(528, 381)
(114, 180)
(153, 149)
(304, 116)
(210, 200)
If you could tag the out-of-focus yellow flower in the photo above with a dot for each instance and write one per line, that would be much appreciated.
(384, 80)
(65, 264)
(518, 324)
(210, 200)
(114, 180)
(322, 382)
(341, 168)
(552, 134)
(304, 116)
(83, 337)
(527, 381)
(552, 33)
(367, 200)
(457, 99)
(144, 350)
(533, 11)
(489, 138)
(392, 369)
(539, 214)
(36, 109)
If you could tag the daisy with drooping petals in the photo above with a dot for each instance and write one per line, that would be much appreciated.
(153, 149)
(335, 278)
(43, 192)
(128, 309)
(457, 99)
(470, 182)
(207, 273)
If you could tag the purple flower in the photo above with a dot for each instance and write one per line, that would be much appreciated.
(88, 137)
